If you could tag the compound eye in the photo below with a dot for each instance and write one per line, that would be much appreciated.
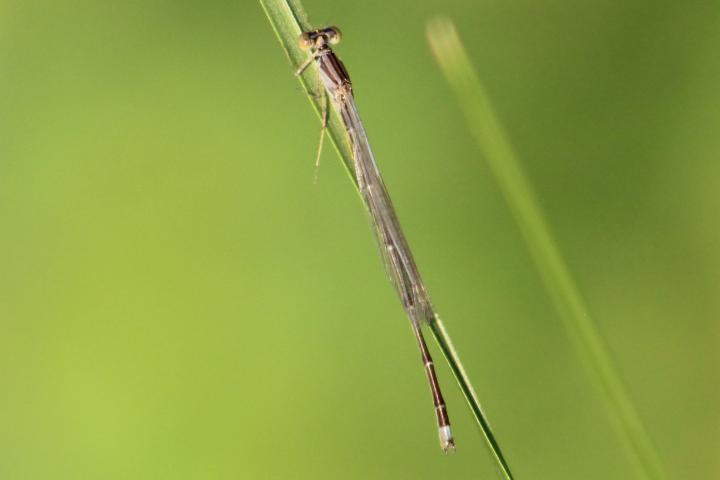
(305, 42)
(333, 35)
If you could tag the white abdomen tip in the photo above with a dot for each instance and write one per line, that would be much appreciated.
(446, 439)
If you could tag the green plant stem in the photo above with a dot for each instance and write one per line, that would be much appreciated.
(493, 142)
(442, 338)
(289, 20)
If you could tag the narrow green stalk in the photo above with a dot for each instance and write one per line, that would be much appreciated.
(289, 21)
(443, 340)
(498, 152)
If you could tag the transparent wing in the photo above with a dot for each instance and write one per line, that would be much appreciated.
(398, 259)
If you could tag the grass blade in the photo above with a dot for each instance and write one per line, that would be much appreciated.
(496, 148)
(289, 20)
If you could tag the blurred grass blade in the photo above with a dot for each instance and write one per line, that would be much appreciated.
(483, 123)
(289, 21)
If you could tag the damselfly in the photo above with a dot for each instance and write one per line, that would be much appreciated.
(396, 253)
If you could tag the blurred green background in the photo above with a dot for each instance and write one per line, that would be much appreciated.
(179, 300)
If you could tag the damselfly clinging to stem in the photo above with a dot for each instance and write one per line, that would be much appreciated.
(396, 253)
